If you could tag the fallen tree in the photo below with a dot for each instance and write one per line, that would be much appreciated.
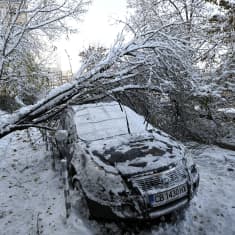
(119, 70)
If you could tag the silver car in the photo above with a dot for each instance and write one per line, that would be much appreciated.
(125, 168)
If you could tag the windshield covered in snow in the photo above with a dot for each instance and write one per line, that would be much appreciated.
(105, 120)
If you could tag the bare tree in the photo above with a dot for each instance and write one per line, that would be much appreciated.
(25, 26)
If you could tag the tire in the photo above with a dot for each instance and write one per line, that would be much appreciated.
(82, 204)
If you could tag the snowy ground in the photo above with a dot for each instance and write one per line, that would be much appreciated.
(31, 195)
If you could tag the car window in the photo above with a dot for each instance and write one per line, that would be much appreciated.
(95, 122)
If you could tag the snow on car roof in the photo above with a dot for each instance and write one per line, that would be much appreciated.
(104, 120)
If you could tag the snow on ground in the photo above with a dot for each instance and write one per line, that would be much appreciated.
(212, 211)
(32, 199)
(31, 194)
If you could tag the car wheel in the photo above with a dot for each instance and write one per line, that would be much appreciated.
(81, 201)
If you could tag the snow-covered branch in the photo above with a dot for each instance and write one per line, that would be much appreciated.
(25, 20)
(117, 72)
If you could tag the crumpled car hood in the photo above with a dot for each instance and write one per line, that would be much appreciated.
(138, 154)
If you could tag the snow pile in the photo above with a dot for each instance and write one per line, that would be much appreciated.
(31, 194)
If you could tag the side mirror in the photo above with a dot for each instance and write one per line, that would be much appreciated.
(61, 135)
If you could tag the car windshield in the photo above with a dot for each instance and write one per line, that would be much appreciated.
(101, 121)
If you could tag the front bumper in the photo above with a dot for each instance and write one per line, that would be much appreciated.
(127, 212)
(166, 209)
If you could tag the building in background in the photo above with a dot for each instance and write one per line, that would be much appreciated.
(11, 8)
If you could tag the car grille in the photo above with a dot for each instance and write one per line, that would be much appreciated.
(160, 180)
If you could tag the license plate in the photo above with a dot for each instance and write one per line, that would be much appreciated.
(168, 196)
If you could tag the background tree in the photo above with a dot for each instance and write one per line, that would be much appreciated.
(222, 30)
(25, 26)
(192, 22)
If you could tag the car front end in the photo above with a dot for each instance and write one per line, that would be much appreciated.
(137, 194)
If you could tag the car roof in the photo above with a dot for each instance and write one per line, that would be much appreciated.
(106, 120)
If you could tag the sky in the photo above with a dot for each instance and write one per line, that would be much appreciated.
(98, 27)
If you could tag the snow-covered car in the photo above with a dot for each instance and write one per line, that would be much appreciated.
(125, 168)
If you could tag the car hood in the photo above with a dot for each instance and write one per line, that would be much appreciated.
(139, 153)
